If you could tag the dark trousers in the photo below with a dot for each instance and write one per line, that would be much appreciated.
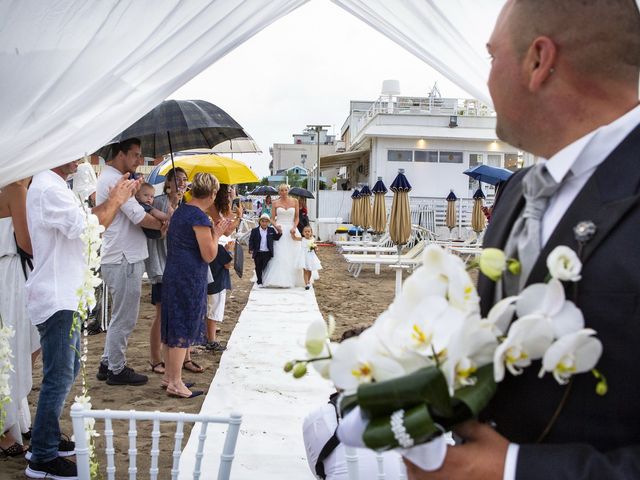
(261, 259)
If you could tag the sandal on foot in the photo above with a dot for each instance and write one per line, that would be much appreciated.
(177, 394)
(186, 384)
(192, 367)
(14, 450)
(156, 366)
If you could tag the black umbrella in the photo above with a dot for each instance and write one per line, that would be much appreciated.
(265, 190)
(301, 192)
(177, 125)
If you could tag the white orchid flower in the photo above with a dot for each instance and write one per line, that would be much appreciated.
(577, 352)
(362, 359)
(471, 348)
(563, 264)
(500, 315)
(527, 340)
(549, 301)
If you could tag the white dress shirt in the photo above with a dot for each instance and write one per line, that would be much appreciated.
(124, 236)
(573, 166)
(55, 220)
(264, 246)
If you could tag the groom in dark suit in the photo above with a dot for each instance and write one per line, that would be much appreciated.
(261, 244)
(564, 81)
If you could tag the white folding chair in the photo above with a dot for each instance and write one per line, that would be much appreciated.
(79, 413)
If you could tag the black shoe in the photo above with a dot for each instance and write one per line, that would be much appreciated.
(56, 469)
(215, 347)
(307, 287)
(126, 377)
(66, 448)
(103, 372)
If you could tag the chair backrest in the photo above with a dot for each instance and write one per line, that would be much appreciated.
(353, 470)
(79, 414)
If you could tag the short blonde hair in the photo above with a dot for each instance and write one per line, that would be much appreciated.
(204, 185)
(283, 185)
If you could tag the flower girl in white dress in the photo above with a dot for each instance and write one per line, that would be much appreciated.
(309, 260)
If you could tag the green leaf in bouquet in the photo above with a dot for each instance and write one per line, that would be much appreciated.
(476, 397)
(348, 403)
(426, 385)
(417, 421)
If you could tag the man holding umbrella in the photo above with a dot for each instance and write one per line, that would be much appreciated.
(123, 253)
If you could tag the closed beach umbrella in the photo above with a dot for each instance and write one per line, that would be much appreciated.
(478, 219)
(365, 207)
(450, 217)
(400, 221)
(355, 203)
(379, 213)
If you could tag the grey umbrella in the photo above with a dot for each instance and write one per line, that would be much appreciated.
(301, 192)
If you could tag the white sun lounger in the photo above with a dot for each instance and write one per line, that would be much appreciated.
(411, 258)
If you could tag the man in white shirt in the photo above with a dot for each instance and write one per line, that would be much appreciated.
(564, 81)
(56, 221)
(124, 250)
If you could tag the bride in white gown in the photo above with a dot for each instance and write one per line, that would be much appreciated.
(283, 270)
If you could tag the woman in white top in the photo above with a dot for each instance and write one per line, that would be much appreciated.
(14, 244)
(283, 270)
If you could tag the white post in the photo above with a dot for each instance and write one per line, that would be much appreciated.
(82, 446)
(229, 446)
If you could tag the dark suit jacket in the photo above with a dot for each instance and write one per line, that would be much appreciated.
(254, 240)
(594, 437)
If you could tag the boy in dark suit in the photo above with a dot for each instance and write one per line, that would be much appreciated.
(261, 244)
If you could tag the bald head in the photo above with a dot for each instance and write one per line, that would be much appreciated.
(598, 38)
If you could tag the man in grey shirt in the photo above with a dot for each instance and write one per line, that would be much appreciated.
(124, 250)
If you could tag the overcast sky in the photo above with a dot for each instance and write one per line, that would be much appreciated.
(304, 69)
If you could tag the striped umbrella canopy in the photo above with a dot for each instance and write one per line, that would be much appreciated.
(379, 213)
(478, 219)
(450, 217)
(355, 213)
(400, 221)
(365, 207)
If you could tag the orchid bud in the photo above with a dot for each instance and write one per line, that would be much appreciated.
(492, 263)
(299, 370)
(288, 367)
(513, 266)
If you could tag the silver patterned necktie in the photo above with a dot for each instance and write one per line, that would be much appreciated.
(525, 239)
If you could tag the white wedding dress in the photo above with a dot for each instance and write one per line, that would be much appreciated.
(283, 270)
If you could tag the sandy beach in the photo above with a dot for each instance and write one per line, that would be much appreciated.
(351, 301)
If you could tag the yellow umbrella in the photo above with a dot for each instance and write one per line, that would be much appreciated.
(355, 210)
(478, 219)
(365, 207)
(400, 221)
(379, 214)
(226, 170)
(450, 217)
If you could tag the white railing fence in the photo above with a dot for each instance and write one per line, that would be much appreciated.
(79, 414)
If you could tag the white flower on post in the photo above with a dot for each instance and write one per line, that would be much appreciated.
(362, 359)
(548, 300)
(527, 340)
(563, 264)
(577, 352)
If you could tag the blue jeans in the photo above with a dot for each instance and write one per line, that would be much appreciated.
(60, 366)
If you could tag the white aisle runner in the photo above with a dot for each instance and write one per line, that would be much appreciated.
(251, 381)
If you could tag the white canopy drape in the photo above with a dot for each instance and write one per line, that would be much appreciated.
(74, 73)
(449, 35)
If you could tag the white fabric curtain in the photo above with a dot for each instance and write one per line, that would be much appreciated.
(74, 73)
(449, 35)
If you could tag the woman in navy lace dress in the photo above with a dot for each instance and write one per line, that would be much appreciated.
(192, 242)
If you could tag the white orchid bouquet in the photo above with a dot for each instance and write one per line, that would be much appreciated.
(430, 361)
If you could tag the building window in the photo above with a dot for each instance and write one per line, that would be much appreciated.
(495, 160)
(450, 157)
(511, 161)
(425, 156)
(400, 155)
(475, 159)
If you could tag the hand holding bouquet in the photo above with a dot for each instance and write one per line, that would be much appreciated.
(430, 361)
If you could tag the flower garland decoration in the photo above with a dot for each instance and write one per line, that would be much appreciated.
(6, 333)
(92, 241)
(430, 361)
